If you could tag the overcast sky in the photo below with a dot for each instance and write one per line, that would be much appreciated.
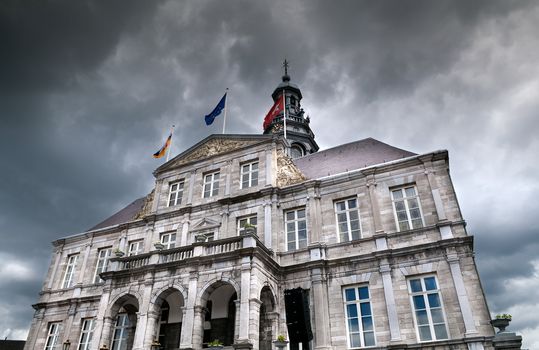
(89, 90)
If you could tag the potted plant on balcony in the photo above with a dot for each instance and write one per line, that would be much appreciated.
(280, 342)
(215, 345)
(118, 253)
(501, 322)
(158, 245)
(249, 229)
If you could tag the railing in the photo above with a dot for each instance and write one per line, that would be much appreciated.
(221, 246)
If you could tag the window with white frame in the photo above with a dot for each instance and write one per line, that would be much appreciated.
(406, 208)
(211, 185)
(246, 221)
(359, 318)
(52, 336)
(121, 332)
(168, 239)
(103, 256)
(70, 271)
(136, 247)
(175, 193)
(428, 308)
(249, 175)
(86, 333)
(296, 229)
(347, 216)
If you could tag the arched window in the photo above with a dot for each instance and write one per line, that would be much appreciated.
(296, 151)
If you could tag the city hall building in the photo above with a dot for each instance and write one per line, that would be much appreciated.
(248, 237)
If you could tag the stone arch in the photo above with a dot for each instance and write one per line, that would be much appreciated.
(120, 299)
(268, 319)
(123, 315)
(166, 315)
(212, 285)
(164, 292)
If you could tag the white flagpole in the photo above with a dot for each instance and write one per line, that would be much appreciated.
(170, 147)
(284, 114)
(226, 103)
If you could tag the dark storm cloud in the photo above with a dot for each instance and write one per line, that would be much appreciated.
(89, 89)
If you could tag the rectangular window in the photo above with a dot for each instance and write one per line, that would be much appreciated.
(53, 335)
(168, 240)
(249, 175)
(428, 308)
(121, 332)
(242, 222)
(86, 333)
(296, 229)
(70, 271)
(347, 216)
(359, 318)
(136, 247)
(103, 256)
(406, 208)
(211, 185)
(175, 193)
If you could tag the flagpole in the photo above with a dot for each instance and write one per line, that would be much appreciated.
(284, 114)
(170, 147)
(226, 103)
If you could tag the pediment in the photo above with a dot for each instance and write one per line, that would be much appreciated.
(204, 224)
(212, 146)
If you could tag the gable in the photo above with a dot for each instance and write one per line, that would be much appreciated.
(212, 146)
(204, 224)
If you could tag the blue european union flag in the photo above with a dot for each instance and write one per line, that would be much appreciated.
(216, 111)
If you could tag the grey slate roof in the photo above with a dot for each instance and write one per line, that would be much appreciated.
(124, 215)
(343, 158)
(347, 157)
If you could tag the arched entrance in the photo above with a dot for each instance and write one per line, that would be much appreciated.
(219, 302)
(267, 319)
(169, 304)
(124, 313)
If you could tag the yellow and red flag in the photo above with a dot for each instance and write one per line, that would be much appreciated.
(275, 110)
(163, 149)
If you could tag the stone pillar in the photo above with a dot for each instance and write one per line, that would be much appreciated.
(186, 340)
(82, 274)
(152, 319)
(267, 224)
(244, 297)
(237, 303)
(198, 326)
(33, 335)
(106, 335)
(185, 230)
(254, 321)
(52, 278)
(269, 153)
(227, 174)
(321, 309)
(142, 319)
(315, 214)
(101, 323)
(444, 225)
(385, 271)
(377, 219)
(507, 341)
(71, 312)
(464, 303)
(224, 224)
(192, 180)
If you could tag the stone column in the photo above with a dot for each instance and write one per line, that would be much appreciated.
(108, 324)
(152, 319)
(315, 215)
(254, 321)
(228, 174)
(464, 303)
(142, 315)
(269, 179)
(192, 180)
(244, 298)
(224, 223)
(321, 309)
(102, 326)
(267, 224)
(185, 229)
(444, 225)
(385, 271)
(72, 311)
(237, 303)
(52, 278)
(33, 335)
(82, 274)
(377, 219)
(198, 326)
(186, 340)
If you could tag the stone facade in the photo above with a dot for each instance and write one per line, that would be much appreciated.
(244, 274)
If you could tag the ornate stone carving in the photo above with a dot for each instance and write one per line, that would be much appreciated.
(211, 148)
(287, 172)
(147, 207)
